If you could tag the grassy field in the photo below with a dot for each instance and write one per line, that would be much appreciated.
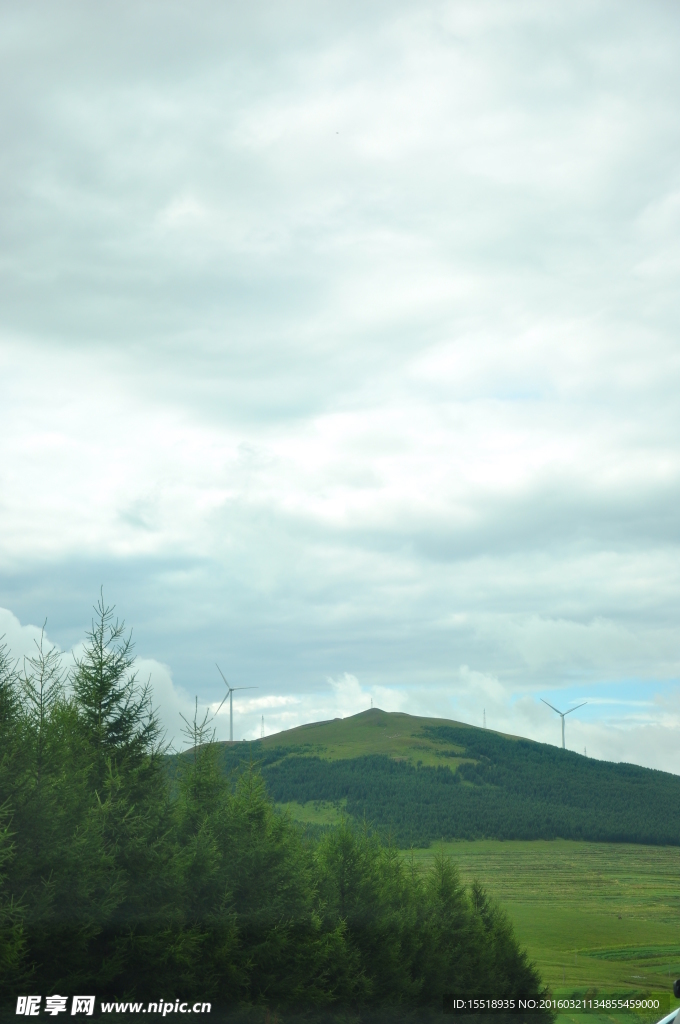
(393, 734)
(602, 916)
(590, 914)
(599, 916)
(317, 812)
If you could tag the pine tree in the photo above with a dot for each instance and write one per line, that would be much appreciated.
(12, 933)
(115, 711)
(121, 878)
(42, 687)
(10, 744)
(129, 818)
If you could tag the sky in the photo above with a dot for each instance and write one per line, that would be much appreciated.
(339, 344)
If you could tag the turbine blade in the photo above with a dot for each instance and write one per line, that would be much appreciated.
(223, 676)
(218, 710)
(576, 708)
(554, 709)
(245, 688)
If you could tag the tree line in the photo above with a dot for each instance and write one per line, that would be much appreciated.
(508, 789)
(122, 879)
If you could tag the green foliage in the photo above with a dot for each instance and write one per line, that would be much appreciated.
(10, 741)
(592, 915)
(114, 712)
(12, 935)
(120, 878)
(507, 789)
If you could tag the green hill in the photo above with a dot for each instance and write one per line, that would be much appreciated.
(424, 779)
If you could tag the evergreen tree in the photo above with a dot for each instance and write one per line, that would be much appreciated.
(115, 711)
(364, 885)
(12, 933)
(121, 878)
(128, 822)
(42, 686)
(10, 738)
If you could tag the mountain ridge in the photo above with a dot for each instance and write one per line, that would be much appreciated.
(422, 779)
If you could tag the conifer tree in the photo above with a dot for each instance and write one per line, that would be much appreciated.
(13, 968)
(115, 711)
(128, 819)
(134, 876)
(41, 801)
(12, 933)
(9, 721)
(42, 686)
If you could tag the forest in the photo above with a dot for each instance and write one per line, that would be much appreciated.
(124, 880)
(508, 788)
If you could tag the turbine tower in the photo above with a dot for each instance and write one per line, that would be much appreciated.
(229, 694)
(563, 713)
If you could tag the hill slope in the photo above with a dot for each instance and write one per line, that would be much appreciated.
(424, 779)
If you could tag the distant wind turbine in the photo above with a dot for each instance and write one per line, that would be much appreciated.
(229, 694)
(563, 713)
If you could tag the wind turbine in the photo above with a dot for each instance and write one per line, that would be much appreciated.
(563, 713)
(230, 691)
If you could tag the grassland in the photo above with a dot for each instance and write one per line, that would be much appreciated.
(592, 915)
(315, 812)
(601, 916)
(399, 736)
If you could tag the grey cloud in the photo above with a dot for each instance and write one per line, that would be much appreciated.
(343, 340)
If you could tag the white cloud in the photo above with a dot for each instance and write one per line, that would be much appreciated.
(170, 701)
(348, 340)
(349, 695)
(19, 640)
(615, 728)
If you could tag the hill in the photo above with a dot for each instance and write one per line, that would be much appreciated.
(423, 779)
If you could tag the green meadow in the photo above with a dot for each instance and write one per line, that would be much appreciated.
(599, 916)
(603, 916)
(592, 915)
(393, 734)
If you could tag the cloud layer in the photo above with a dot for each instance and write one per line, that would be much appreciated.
(341, 344)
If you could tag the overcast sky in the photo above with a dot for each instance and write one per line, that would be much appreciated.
(340, 343)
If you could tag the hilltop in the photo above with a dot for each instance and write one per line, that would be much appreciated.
(422, 779)
(392, 734)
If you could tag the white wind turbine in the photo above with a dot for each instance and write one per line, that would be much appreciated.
(229, 693)
(563, 713)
